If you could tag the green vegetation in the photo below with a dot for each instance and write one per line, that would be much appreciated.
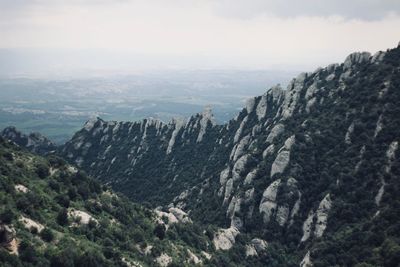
(118, 231)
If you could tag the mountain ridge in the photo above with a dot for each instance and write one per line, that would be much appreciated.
(311, 170)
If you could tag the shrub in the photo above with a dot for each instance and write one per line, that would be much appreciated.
(42, 170)
(62, 217)
(47, 235)
(63, 200)
(8, 156)
(7, 216)
(159, 231)
(33, 230)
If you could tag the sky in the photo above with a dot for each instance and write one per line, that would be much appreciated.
(135, 35)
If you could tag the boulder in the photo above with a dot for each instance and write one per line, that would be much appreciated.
(306, 262)
(322, 216)
(268, 201)
(163, 260)
(224, 239)
(275, 132)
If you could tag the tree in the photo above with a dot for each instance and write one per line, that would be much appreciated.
(62, 217)
(159, 231)
(7, 216)
(42, 170)
(47, 235)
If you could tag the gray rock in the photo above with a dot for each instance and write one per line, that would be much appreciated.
(378, 127)
(241, 146)
(250, 103)
(178, 124)
(378, 57)
(223, 177)
(250, 176)
(282, 215)
(239, 130)
(224, 239)
(307, 225)
(306, 262)
(268, 201)
(280, 163)
(261, 108)
(206, 118)
(356, 58)
(347, 137)
(228, 190)
(322, 216)
(275, 132)
(239, 167)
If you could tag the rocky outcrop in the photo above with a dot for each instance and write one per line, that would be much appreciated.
(379, 126)
(256, 247)
(356, 58)
(34, 142)
(174, 215)
(269, 151)
(224, 239)
(307, 227)
(390, 157)
(180, 215)
(21, 188)
(268, 202)
(275, 132)
(193, 259)
(282, 159)
(31, 224)
(163, 260)
(177, 124)
(246, 164)
(322, 216)
(239, 167)
(306, 262)
(8, 238)
(250, 177)
(350, 130)
(206, 118)
(80, 217)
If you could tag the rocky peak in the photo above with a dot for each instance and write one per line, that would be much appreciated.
(356, 58)
(34, 142)
(284, 163)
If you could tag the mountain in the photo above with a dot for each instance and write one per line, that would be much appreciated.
(34, 142)
(53, 214)
(307, 175)
(312, 169)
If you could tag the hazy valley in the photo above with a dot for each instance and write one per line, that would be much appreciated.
(58, 108)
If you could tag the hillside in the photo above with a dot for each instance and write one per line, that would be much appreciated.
(307, 175)
(310, 168)
(52, 214)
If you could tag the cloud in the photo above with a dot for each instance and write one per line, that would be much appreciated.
(203, 33)
(247, 9)
(348, 9)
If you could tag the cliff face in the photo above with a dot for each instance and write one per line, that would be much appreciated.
(308, 168)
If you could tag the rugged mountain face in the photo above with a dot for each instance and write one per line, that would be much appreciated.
(52, 214)
(310, 168)
(310, 173)
(34, 142)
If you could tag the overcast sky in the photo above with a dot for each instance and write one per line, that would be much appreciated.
(230, 34)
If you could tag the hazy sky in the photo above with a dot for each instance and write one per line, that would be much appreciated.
(146, 34)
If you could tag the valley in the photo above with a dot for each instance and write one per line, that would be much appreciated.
(306, 175)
